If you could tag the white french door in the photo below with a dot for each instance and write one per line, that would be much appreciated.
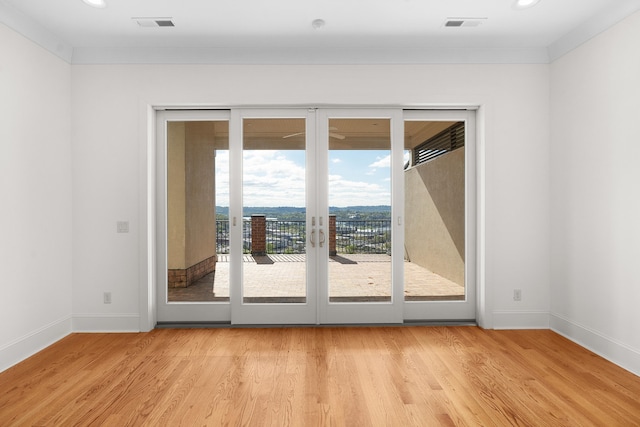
(286, 164)
(275, 239)
(297, 216)
(359, 163)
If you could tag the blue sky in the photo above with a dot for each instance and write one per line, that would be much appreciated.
(277, 178)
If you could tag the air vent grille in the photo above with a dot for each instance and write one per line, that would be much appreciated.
(464, 22)
(154, 22)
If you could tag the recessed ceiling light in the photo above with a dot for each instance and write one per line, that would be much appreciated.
(96, 3)
(525, 4)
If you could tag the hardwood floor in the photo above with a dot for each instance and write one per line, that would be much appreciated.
(391, 376)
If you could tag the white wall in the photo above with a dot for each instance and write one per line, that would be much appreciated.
(595, 196)
(109, 135)
(35, 198)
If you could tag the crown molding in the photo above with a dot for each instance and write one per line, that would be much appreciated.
(33, 31)
(592, 28)
(307, 56)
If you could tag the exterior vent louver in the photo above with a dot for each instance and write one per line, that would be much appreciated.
(448, 140)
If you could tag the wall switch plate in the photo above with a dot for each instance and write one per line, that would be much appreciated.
(122, 226)
(517, 295)
(107, 297)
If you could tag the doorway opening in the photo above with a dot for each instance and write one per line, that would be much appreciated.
(340, 216)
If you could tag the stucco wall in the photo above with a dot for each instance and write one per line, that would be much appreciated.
(176, 196)
(190, 193)
(434, 215)
(200, 189)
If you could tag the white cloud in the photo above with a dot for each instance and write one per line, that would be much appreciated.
(343, 192)
(222, 177)
(382, 162)
(336, 160)
(271, 179)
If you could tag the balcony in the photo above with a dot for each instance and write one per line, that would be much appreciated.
(274, 265)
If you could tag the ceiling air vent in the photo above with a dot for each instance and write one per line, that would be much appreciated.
(154, 22)
(464, 22)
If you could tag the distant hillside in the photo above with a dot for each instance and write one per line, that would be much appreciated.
(364, 209)
(291, 213)
(290, 209)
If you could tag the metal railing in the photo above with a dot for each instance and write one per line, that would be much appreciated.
(286, 237)
(222, 236)
(363, 237)
(289, 237)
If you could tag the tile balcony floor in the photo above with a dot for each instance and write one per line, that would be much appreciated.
(352, 277)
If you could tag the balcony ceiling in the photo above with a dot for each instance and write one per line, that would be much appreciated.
(345, 134)
(258, 31)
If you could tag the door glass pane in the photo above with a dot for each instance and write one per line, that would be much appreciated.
(360, 210)
(197, 211)
(274, 212)
(434, 186)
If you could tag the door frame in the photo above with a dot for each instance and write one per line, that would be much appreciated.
(149, 211)
(467, 310)
(165, 311)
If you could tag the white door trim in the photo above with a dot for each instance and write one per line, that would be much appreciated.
(148, 271)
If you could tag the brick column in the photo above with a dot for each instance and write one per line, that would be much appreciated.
(258, 235)
(332, 235)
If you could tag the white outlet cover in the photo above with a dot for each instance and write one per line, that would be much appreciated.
(122, 226)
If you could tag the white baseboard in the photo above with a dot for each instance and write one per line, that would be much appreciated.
(611, 349)
(118, 322)
(518, 319)
(28, 345)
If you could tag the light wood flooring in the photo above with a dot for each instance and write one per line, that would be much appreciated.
(339, 376)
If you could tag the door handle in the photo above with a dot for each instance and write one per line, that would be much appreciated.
(313, 238)
(321, 237)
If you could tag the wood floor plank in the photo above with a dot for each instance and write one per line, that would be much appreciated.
(355, 376)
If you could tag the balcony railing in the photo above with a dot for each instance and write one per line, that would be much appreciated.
(363, 237)
(289, 237)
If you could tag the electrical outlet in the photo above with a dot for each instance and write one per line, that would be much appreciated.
(122, 226)
(107, 297)
(517, 295)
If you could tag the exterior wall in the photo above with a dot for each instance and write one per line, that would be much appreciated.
(36, 199)
(200, 189)
(434, 215)
(191, 247)
(594, 198)
(176, 197)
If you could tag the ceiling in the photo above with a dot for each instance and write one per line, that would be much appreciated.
(282, 31)
(344, 134)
